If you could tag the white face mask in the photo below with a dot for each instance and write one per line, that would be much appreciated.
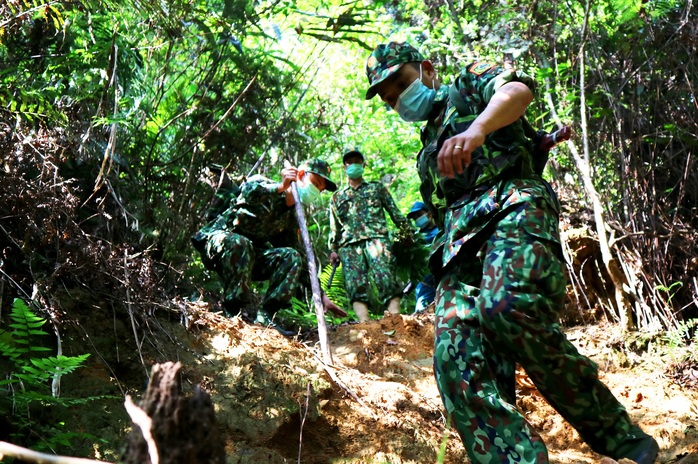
(415, 103)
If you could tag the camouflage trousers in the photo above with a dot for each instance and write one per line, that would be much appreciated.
(365, 262)
(238, 263)
(498, 307)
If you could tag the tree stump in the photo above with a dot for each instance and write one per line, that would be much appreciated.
(183, 430)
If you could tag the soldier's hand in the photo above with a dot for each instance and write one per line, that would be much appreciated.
(288, 175)
(334, 257)
(455, 153)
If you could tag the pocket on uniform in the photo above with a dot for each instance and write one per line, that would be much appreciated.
(542, 222)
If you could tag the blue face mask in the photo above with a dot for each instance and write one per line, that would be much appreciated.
(415, 103)
(355, 171)
(308, 193)
(422, 221)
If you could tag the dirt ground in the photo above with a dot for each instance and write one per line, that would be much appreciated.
(277, 403)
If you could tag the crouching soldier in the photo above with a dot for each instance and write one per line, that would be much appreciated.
(256, 239)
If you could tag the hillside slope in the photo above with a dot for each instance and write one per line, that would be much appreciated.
(276, 402)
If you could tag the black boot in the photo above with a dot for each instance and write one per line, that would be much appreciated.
(638, 447)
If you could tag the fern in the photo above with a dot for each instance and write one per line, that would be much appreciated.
(681, 335)
(335, 292)
(302, 311)
(27, 382)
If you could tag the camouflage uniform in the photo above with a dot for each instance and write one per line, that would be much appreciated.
(252, 240)
(501, 284)
(359, 234)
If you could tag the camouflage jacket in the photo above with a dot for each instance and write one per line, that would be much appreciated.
(500, 175)
(506, 152)
(259, 213)
(359, 214)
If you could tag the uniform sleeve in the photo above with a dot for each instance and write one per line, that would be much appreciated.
(256, 188)
(479, 81)
(389, 205)
(335, 227)
(489, 81)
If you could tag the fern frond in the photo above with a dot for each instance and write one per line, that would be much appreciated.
(336, 292)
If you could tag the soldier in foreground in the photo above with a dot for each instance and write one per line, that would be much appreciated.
(498, 264)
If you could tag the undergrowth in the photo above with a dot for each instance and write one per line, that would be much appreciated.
(31, 383)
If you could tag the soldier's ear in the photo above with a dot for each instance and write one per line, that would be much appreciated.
(300, 174)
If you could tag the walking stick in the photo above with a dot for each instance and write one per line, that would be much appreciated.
(314, 282)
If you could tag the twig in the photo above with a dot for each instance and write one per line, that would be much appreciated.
(16, 284)
(145, 423)
(130, 313)
(305, 414)
(111, 143)
(314, 282)
(187, 185)
(339, 383)
(281, 126)
(14, 451)
(56, 383)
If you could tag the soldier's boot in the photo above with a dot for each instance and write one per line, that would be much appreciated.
(394, 305)
(639, 447)
(361, 311)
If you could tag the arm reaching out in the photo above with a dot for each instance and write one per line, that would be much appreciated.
(507, 105)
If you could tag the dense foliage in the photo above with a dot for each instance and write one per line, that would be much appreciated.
(131, 101)
(112, 111)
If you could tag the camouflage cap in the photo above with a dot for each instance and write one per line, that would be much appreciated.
(321, 168)
(385, 60)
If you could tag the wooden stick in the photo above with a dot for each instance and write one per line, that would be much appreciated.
(314, 283)
(14, 451)
(335, 378)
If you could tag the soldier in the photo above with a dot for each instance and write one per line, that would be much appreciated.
(426, 289)
(254, 239)
(499, 264)
(359, 238)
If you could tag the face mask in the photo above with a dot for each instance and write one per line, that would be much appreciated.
(308, 193)
(415, 103)
(421, 221)
(355, 171)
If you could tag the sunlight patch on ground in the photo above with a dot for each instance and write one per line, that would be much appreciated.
(221, 344)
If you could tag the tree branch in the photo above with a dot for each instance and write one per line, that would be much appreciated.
(14, 451)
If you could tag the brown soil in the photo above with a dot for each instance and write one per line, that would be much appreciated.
(276, 403)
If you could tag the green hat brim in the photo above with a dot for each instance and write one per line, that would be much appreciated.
(329, 185)
(386, 73)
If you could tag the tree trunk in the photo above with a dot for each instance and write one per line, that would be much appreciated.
(171, 428)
